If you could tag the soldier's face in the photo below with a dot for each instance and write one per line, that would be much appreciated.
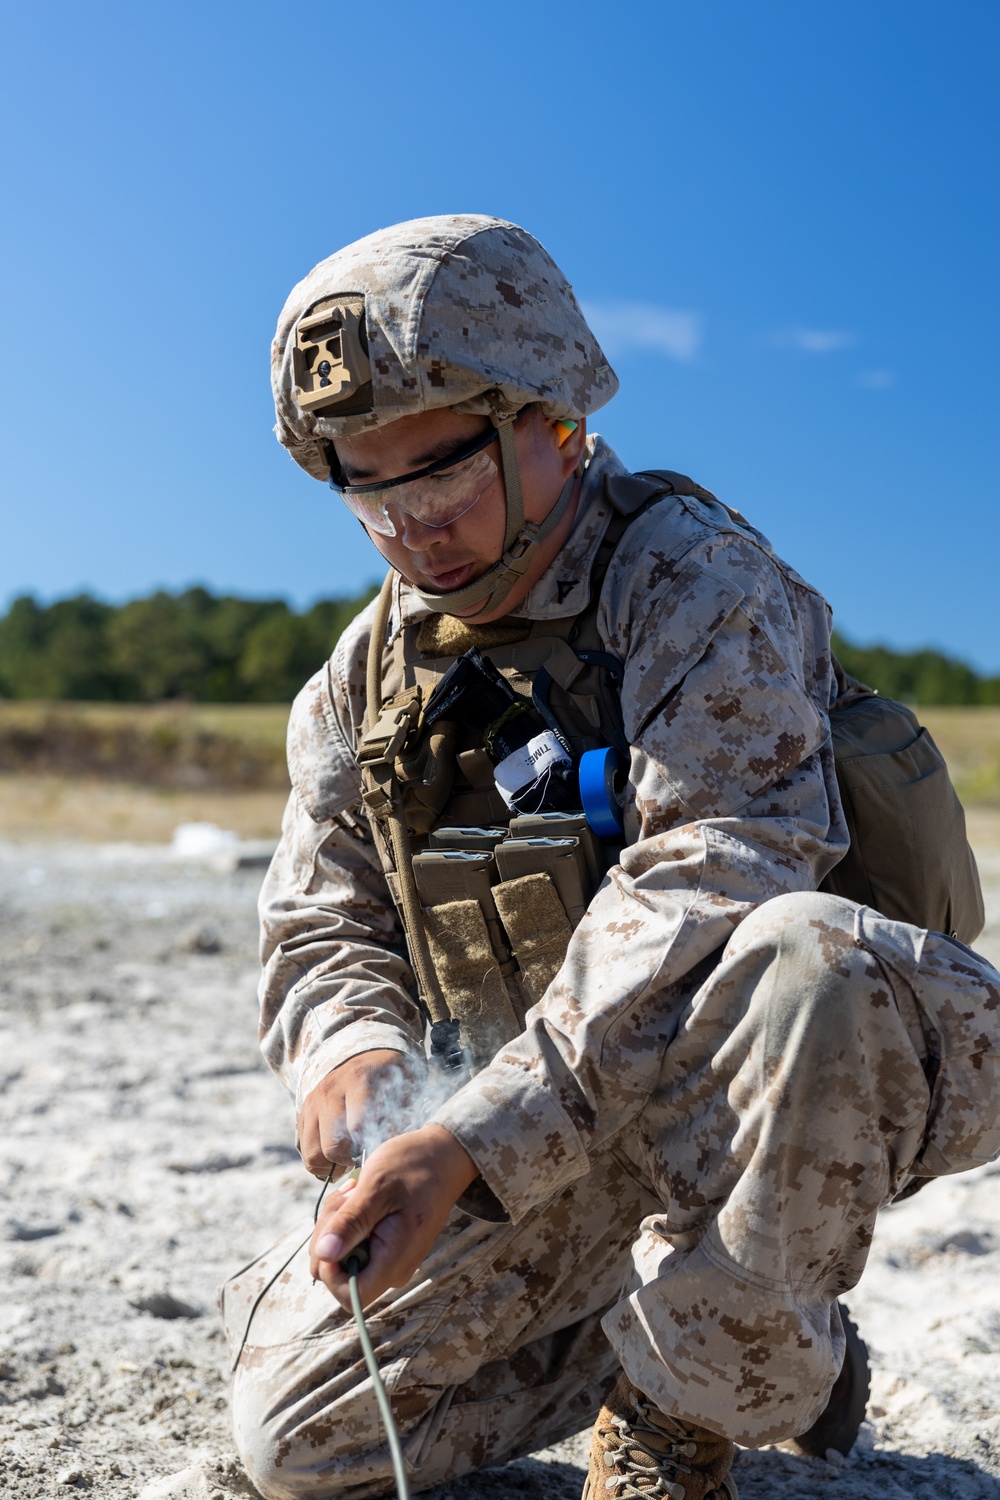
(438, 559)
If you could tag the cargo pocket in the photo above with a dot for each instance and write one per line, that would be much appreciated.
(909, 857)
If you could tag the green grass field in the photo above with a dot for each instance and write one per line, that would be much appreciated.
(969, 740)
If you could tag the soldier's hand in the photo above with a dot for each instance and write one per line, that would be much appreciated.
(333, 1114)
(399, 1205)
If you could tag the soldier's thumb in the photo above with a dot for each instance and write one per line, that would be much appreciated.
(351, 1224)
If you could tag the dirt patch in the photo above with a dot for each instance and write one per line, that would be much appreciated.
(49, 809)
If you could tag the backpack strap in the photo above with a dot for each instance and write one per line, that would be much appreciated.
(630, 494)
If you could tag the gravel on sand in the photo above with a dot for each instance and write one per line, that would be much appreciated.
(146, 1153)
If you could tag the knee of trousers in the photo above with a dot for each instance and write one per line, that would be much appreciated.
(296, 1443)
(820, 1062)
(800, 953)
(262, 1436)
(799, 918)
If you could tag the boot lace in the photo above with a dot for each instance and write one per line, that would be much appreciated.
(642, 1470)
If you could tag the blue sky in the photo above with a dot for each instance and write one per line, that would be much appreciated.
(782, 217)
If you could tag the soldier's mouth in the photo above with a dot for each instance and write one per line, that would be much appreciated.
(452, 578)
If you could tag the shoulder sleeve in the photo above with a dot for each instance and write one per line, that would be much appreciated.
(323, 727)
(720, 685)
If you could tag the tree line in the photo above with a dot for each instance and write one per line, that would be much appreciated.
(927, 678)
(192, 645)
(219, 648)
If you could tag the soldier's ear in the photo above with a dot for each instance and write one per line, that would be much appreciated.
(571, 438)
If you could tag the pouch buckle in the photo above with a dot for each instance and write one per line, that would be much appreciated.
(388, 735)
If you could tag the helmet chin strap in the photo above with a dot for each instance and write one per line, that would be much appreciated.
(521, 541)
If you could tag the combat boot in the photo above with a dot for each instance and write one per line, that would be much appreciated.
(637, 1452)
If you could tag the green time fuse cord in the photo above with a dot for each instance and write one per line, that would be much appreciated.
(352, 1265)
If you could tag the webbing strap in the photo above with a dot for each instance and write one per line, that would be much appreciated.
(373, 674)
(512, 482)
(383, 778)
(413, 917)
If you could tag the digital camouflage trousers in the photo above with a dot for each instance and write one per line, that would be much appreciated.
(824, 1058)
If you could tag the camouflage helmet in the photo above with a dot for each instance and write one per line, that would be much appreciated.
(461, 310)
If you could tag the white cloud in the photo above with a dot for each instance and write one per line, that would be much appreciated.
(875, 380)
(621, 326)
(816, 340)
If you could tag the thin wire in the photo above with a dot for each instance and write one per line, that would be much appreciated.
(322, 1192)
(391, 1431)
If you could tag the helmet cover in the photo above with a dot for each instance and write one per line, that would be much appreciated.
(460, 310)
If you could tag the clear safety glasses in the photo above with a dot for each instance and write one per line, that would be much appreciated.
(436, 496)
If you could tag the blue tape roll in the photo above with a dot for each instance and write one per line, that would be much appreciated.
(601, 802)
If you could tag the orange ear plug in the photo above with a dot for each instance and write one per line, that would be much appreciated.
(565, 429)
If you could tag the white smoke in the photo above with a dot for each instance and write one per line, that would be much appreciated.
(403, 1098)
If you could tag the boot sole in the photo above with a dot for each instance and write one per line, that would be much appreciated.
(727, 1491)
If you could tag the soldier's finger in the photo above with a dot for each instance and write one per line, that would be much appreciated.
(311, 1146)
(350, 1220)
(398, 1238)
(322, 1138)
(335, 1141)
(307, 1141)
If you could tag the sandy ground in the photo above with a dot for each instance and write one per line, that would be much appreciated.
(146, 1152)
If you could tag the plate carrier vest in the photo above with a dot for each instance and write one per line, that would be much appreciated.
(484, 944)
